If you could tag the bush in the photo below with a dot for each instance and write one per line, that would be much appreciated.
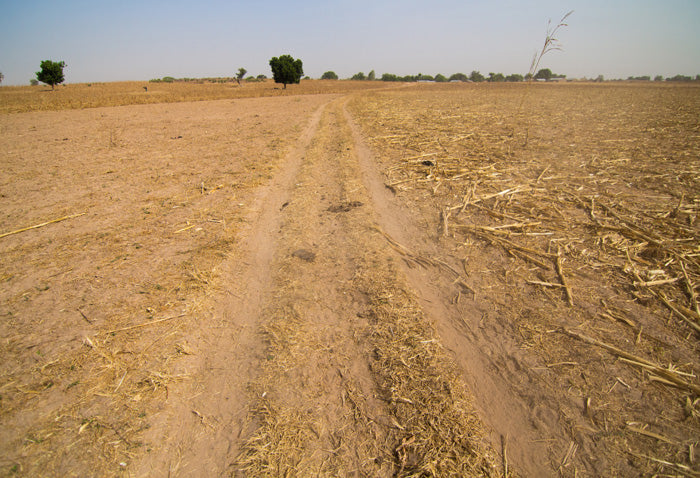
(358, 76)
(329, 75)
(459, 77)
(167, 79)
(371, 76)
(515, 77)
(390, 77)
(33, 82)
(440, 78)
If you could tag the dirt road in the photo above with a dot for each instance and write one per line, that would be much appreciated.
(318, 356)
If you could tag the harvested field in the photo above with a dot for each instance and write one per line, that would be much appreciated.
(466, 280)
(573, 208)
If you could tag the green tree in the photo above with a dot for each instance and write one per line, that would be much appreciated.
(358, 76)
(390, 77)
(544, 74)
(2, 77)
(515, 77)
(476, 76)
(33, 82)
(286, 70)
(658, 78)
(371, 76)
(329, 75)
(496, 77)
(459, 77)
(240, 75)
(440, 78)
(51, 72)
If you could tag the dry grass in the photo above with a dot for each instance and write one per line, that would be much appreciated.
(440, 434)
(596, 219)
(16, 99)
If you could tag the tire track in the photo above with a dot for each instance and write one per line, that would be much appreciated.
(205, 423)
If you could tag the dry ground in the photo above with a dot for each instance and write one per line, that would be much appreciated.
(456, 279)
(16, 99)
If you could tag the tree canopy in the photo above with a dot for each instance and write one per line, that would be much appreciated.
(358, 76)
(329, 75)
(51, 72)
(286, 70)
(544, 74)
(241, 74)
(476, 76)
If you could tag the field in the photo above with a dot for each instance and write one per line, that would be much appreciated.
(350, 278)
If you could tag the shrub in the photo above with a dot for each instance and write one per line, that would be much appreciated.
(440, 78)
(168, 79)
(33, 82)
(329, 75)
(358, 76)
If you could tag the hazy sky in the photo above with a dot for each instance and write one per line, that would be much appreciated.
(139, 40)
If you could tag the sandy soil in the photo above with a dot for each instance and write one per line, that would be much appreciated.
(294, 285)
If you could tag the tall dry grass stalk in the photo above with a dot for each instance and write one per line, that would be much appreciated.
(551, 43)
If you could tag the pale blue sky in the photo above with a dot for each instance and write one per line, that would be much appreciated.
(139, 40)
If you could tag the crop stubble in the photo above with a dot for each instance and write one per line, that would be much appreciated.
(575, 216)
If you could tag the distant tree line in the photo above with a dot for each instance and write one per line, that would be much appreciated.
(475, 77)
(236, 79)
